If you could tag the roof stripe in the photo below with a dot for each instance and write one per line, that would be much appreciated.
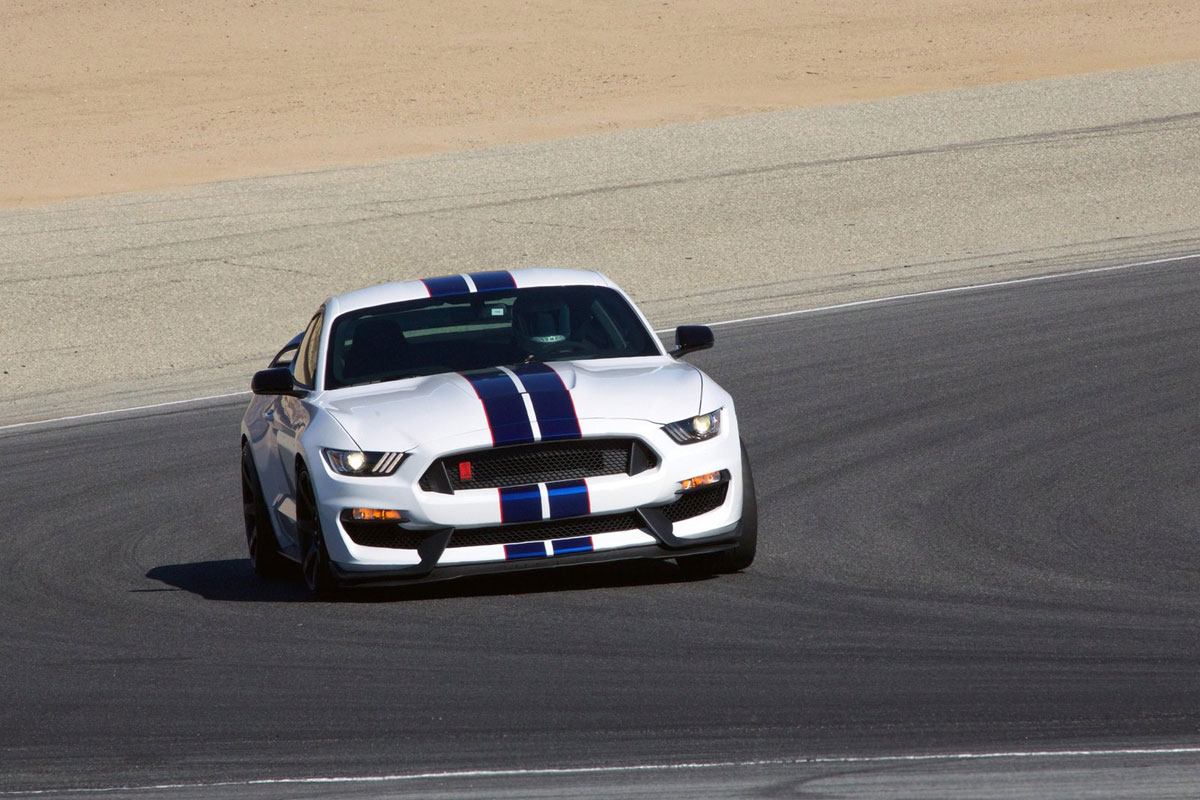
(447, 286)
(493, 281)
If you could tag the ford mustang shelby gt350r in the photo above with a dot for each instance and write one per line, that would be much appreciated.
(484, 422)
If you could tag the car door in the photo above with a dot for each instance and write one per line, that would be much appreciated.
(287, 418)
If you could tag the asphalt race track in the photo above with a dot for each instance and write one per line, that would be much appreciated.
(979, 517)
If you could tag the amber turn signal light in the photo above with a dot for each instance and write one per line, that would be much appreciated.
(378, 515)
(700, 480)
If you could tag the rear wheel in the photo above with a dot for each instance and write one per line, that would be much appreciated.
(741, 556)
(261, 543)
(316, 567)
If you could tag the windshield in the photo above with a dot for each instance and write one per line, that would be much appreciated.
(473, 331)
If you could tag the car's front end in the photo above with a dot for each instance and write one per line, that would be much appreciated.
(624, 486)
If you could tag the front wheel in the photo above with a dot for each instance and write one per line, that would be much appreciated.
(741, 556)
(316, 567)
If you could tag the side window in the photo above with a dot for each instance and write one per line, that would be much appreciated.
(286, 356)
(304, 368)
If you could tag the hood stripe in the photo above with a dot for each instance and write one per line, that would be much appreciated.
(552, 401)
(493, 281)
(507, 418)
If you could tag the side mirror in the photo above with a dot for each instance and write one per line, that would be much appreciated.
(277, 380)
(689, 338)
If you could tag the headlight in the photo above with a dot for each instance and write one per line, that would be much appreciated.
(363, 464)
(695, 429)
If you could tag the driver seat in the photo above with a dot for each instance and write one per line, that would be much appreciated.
(378, 348)
(540, 322)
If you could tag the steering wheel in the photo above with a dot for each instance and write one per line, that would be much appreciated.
(560, 349)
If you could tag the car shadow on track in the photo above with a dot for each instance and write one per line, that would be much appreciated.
(230, 579)
(233, 580)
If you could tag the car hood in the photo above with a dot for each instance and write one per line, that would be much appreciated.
(402, 414)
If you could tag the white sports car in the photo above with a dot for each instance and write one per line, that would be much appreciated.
(485, 422)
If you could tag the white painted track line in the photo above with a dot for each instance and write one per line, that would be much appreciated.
(631, 768)
(115, 411)
(779, 315)
(957, 290)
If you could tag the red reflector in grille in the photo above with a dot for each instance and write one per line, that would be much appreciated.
(464, 470)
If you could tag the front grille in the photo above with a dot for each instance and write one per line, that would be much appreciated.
(538, 531)
(697, 502)
(543, 462)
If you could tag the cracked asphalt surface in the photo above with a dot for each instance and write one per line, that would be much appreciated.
(978, 535)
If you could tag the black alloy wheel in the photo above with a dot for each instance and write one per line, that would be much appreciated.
(317, 570)
(261, 543)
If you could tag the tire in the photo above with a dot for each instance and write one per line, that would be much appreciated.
(315, 564)
(261, 543)
(740, 557)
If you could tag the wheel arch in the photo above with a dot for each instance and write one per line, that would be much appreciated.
(300, 463)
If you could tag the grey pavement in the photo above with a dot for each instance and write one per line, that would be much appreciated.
(977, 535)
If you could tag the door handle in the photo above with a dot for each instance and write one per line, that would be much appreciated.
(270, 415)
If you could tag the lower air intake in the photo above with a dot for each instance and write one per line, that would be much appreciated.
(391, 535)
(539, 531)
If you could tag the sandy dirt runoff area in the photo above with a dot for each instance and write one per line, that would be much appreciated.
(111, 97)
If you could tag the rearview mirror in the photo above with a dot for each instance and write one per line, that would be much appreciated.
(689, 338)
(277, 380)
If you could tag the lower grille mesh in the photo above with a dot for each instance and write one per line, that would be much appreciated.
(537, 531)
(693, 504)
(383, 534)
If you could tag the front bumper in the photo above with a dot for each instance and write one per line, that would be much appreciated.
(641, 500)
(428, 570)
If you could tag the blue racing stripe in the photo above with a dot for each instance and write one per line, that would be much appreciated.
(444, 287)
(552, 402)
(520, 504)
(526, 550)
(568, 499)
(506, 414)
(493, 281)
(581, 545)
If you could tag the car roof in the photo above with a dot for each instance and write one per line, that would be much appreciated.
(419, 290)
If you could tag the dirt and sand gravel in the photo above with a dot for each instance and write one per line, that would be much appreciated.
(99, 97)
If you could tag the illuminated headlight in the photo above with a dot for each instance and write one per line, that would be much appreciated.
(363, 464)
(695, 429)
